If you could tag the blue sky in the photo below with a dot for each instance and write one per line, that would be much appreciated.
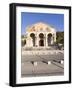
(55, 20)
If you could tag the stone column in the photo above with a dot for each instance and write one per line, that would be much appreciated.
(46, 40)
(37, 40)
(62, 61)
(49, 62)
(29, 41)
(55, 37)
(34, 63)
(52, 40)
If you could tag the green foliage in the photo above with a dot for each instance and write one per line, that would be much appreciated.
(22, 36)
(60, 38)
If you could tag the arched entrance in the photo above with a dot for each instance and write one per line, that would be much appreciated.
(49, 39)
(32, 35)
(41, 41)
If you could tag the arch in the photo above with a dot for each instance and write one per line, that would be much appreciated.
(49, 38)
(41, 35)
(41, 41)
(32, 35)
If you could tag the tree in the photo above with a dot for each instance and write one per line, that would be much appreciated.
(60, 38)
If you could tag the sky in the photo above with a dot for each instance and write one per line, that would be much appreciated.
(55, 20)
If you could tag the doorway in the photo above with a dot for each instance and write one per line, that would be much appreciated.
(41, 43)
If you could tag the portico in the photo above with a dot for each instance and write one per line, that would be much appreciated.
(40, 35)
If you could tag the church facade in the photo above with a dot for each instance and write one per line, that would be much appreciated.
(39, 35)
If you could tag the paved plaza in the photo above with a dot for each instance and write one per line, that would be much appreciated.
(42, 65)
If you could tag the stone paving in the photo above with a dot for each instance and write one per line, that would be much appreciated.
(42, 65)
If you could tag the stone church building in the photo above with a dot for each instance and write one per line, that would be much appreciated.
(39, 35)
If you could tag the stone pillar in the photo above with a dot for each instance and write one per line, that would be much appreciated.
(62, 61)
(49, 62)
(52, 40)
(55, 37)
(37, 40)
(29, 41)
(34, 63)
(46, 40)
